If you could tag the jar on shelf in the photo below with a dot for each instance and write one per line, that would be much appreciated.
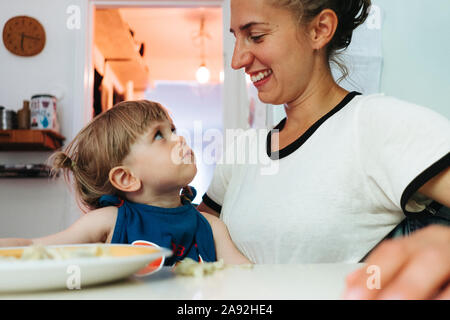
(24, 116)
(43, 112)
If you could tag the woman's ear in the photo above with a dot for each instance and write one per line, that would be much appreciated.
(122, 179)
(322, 28)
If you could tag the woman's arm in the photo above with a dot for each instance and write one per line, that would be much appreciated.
(95, 226)
(416, 267)
(202, 207)
(438, 188)
(225, 248)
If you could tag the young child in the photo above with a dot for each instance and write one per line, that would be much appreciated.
(128, 167)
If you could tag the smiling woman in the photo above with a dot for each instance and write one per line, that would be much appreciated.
(350, 166)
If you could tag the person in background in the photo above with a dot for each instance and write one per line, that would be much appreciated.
(350, 167)
(128, 167)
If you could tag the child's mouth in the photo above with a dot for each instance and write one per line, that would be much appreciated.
(188, 153)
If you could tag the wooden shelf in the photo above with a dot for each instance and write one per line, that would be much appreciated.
(30, 140)
(113, 39)
(25, 171)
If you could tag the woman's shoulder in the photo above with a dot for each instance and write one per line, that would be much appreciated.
(388, 107)
(380, 101)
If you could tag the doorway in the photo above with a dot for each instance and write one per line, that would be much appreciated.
(152, 51)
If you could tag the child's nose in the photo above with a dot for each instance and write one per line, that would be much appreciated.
(182, 140)
(179, 139)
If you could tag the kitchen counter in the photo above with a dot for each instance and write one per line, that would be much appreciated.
(261, 282)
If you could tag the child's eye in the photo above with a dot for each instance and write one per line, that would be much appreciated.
(158, 135)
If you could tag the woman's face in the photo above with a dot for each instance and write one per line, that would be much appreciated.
(272, 49)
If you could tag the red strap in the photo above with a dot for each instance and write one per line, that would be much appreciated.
(120, 204)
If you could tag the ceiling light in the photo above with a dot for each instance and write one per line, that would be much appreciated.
(202, 75)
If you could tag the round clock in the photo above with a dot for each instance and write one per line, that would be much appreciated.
(24, 36)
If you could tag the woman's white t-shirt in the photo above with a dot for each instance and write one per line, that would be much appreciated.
(338, 190)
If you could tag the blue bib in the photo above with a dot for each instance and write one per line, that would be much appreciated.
(182, 229)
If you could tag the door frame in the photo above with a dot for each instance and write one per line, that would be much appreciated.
(84, 64)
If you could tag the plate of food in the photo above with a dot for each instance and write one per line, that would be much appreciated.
(72, 266)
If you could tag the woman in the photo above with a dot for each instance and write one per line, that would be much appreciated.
(350, 166)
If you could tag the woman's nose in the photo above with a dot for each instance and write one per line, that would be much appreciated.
(242, 57)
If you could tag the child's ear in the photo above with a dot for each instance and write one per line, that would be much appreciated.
(122, 179)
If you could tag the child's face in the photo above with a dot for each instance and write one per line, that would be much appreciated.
(161, 159)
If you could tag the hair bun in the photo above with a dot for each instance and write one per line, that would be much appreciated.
(62, 161)
(351, 14)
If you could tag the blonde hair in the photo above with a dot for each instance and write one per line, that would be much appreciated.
(102, 145)
(350, 13)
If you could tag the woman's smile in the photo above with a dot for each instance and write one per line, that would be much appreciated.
(260, 78)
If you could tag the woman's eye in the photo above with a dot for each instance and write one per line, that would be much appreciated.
(257, 39)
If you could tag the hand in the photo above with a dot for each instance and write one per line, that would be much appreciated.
(416, 267)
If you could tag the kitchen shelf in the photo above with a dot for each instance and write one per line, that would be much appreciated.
(30, 140)
(25, 171)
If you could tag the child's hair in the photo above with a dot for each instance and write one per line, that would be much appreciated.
(102, 145)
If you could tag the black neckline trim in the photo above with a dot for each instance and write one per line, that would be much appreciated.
(305, 136)
(211, 203)
(423, 178)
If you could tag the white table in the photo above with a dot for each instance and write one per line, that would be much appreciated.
(271, 282)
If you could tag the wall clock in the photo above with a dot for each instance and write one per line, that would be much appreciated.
(24, 36)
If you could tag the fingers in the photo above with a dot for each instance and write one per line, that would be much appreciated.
(445, 293)
(381, 267)
(417, 267)
(421, 278)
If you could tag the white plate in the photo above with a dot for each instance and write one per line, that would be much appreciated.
(30, 275)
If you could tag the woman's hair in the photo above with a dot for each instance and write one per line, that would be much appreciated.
(102, 145)
(350, 13)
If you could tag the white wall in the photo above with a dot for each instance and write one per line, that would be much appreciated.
(416, 53)
(34, 207)
(416, 50)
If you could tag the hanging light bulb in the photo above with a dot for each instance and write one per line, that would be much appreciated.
(202, 75)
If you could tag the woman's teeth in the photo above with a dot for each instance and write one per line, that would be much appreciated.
(261, 75)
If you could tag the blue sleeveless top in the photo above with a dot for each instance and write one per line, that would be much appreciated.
(182, 229)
